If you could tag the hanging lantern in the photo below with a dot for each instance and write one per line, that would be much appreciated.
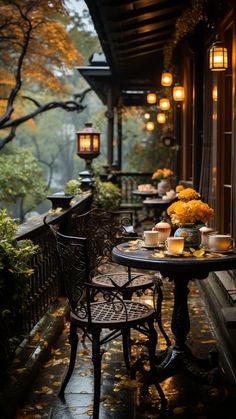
(147, 115)
(151, 98)
(149, 126)
(164, 104)
(88, 142)
(161, 118)
(166, 79)
(178, 93)
(218, 58)
(215, 94)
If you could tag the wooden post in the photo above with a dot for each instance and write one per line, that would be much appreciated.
(119, 137)
(110, 127)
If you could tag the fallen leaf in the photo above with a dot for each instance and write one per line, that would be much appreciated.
(44, 390)
(179, 410)
(199, 253)
(20, 370)
(40, 406)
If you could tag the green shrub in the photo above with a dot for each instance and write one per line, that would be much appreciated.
(107, 195)
(15, 269)
(72, 187)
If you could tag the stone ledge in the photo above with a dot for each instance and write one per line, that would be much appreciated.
(29, 357)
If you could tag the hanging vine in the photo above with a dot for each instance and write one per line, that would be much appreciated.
(185, 24)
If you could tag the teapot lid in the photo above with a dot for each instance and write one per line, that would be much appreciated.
(205, 229)
(163, 224)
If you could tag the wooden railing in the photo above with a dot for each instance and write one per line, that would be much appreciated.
(44, 285)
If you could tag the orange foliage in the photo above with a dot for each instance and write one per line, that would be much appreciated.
(50, 51)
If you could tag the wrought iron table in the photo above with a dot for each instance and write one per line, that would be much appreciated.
(178, 358)
(145, 194)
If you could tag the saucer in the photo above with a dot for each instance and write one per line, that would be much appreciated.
(223, 252)
(167, 253)
(148, 246)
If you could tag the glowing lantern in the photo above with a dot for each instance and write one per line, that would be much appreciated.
(164, 104)
(161, 118)
(151, 98)
(166, 79)
(218, 58)
(178, 93)
(149, 126)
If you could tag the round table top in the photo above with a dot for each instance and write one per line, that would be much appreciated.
(159, 202)
(153, 192)
(195, 267)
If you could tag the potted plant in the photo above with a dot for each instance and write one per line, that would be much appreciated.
(107, 195)
(187, 213)
(62, 199)
(163, 176)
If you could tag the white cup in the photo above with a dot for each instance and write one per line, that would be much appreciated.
(175, 244)
(150, 238)
(221, 242)
(205, 231)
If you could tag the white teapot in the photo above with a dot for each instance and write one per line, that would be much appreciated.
(164, 230)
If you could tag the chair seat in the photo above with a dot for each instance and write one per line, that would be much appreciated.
(140, 281)
(113, 314)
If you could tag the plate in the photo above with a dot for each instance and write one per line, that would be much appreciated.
(167, 253)
(223, 252)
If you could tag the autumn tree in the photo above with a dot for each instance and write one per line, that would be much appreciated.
(35, 51)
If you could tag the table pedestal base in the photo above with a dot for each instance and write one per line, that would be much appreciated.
(182, 361)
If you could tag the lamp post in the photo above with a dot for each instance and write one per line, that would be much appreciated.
(88, 148)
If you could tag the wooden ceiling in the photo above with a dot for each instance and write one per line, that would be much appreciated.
(132, 35)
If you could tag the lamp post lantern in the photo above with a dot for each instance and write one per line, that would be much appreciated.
(88, 148)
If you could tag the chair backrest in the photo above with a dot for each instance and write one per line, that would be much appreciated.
(74, 259)
(103, 230)
(74, 262)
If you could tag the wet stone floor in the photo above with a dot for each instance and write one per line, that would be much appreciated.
(120, 396)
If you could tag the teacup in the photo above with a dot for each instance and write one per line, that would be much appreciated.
(150, 238)
(175, 244)
(205, 231)
(221, 242)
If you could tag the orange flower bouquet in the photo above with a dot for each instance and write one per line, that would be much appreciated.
(162, 174)
(192, 211)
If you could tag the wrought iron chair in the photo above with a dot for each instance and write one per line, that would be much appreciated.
(104, 230)
(103, 320)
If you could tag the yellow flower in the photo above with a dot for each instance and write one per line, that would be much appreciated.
(187, 194)
(179, 188)
(183, 212)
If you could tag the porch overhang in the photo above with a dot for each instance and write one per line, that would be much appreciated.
(133, 34)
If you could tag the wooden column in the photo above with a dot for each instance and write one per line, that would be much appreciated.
(198, 111)
(177, 133)
(119, 137)
(110, 126)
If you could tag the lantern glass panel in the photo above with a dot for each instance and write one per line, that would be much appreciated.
(151, 98)
(166, 79)
(178, 93)
(164, 104)
(95, 143)
(161, 118)
(218, 58)
(149, 126)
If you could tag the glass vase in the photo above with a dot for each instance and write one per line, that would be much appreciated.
(191, 234)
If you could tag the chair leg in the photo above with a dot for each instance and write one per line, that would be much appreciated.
(97, 359)
(126, 347)
(73, 352)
